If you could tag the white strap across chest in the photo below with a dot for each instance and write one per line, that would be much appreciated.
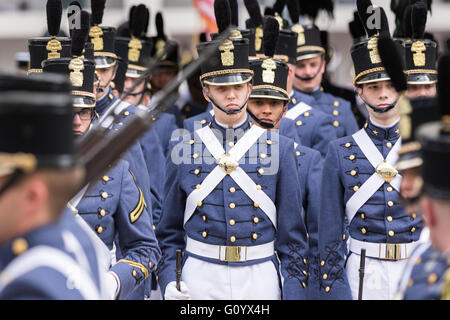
(107, 119)
(238, 175)
(45, 256)
(375, 181)
(300, 108)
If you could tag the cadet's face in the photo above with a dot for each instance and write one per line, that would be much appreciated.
(421, 90)
(105, 76)
(9, 213)
(266, 110)
(161, 77)
(308, 68)
(230, 97)
(81, 120)
(133, 99)
(411, 184)
(379, 94)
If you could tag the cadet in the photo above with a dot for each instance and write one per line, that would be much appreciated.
(308, 77)
(420, 66)
(135, 53)
(103, 39)
(362, 186)
(267, 106)
(256, 49)
(234, 231)
(427, 274)
(115, 207)
(164, 72)
(314, 127)
(37, 260)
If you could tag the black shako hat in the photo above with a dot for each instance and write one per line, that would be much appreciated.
(420, 53)
(270, 74)
(36, 117)
(229, 64)
(435, 139)
(102, 37)
(366, 59)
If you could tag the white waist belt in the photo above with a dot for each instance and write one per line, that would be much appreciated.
(230, 253)
(386, 251)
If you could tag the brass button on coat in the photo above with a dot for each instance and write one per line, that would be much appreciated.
(19, 246)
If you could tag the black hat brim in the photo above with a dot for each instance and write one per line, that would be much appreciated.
(228, 78)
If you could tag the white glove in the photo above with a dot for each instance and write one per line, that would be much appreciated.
(111, 285)
(173, 294)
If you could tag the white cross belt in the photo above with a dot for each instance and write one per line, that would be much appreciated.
(238, 174)
(375, 181)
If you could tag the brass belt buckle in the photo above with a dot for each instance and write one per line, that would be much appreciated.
(393, 251)
(233, 254)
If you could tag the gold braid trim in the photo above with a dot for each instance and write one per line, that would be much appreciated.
(227, 71)
(410, 147)
(105, 54)
(413, 71)
(266, 86)
(34, 71)
(83, 93)
(310, 48)
(27, 162)
(367, 72)
(136, 67)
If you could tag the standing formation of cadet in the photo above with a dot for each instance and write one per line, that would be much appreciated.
(256, 182)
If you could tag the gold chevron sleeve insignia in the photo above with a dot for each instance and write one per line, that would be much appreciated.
(137, 211)
(134, 264)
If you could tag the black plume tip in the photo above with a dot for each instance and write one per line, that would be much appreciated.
(97, 8)
(222, 11)
(138, 21)
(443, 83)
(80, 36)
(279, 6)
(407, 22)
(271, 31)
(75, 3)
(159, 22)
(392, 62)
(234, 12)
(147, 20)
(54, 13)
(356, 27)
(419, 19)
(294, 11)
(365, 13)
(384, 24)
(254, 12)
